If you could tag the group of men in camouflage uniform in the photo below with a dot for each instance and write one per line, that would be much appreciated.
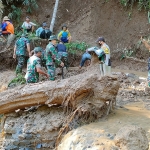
(34, 62)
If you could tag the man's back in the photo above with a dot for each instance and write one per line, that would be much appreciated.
(49, 54)
(61, 48)
(52, 55)
(32, 63)
(86, 55)
(21, 46)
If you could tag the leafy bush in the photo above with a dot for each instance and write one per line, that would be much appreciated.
(75, 47)
(15, 10)
(15, 13)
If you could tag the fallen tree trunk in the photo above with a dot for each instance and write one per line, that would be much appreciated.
(69, 92)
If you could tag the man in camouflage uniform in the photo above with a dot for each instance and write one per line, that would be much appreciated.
(43, 57)
(20, 52)
(52, 58)
(34, 67)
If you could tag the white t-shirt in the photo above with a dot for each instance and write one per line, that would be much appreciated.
(27, 25)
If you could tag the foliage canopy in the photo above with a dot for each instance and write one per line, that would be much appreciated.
(15, 10)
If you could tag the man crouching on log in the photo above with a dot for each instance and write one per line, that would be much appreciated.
(34, 67)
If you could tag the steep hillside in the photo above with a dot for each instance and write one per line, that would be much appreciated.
(88, 20)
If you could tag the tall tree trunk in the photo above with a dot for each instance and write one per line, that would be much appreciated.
(1, 10)
(54, 15)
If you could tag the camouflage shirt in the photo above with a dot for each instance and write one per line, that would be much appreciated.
(21, 46)
(52, 55)
(32, 76)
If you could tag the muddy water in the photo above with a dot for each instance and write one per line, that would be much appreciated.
(131, 114)
(138, 73)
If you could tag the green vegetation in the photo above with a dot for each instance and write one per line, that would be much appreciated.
(75, 50)
(31, 36)
(19, 80)
(131, 52)
(15, 13)
(15, 7)
(75, 47)
(126, 53)
(142, 4)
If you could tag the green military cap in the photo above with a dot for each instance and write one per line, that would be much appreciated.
(53, 37)
(37, 49)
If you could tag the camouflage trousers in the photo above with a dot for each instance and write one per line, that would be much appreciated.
(148, 78)
(31, 78)
(64, 58)
(51, 71)
(21, 62)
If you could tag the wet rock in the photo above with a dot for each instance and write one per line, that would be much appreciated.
(85, 138)
(24, 143)
(16, 143)
(21, 137)
(132, 138)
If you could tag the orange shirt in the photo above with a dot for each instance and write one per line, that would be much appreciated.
(10, 27)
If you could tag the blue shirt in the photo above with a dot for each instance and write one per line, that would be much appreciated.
(4, 25)
(39, 31)
(61, 48)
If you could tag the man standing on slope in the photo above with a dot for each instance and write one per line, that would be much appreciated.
(52, 58)
(105, 63)
(20, 52)
(34, 67)
(148, 47)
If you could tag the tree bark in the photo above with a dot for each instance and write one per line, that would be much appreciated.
(54, 15)
(73, 92)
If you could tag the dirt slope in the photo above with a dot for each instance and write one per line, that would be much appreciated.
(89, 19)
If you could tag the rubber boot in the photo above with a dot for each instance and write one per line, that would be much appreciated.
(18, 70)
(107, 70)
